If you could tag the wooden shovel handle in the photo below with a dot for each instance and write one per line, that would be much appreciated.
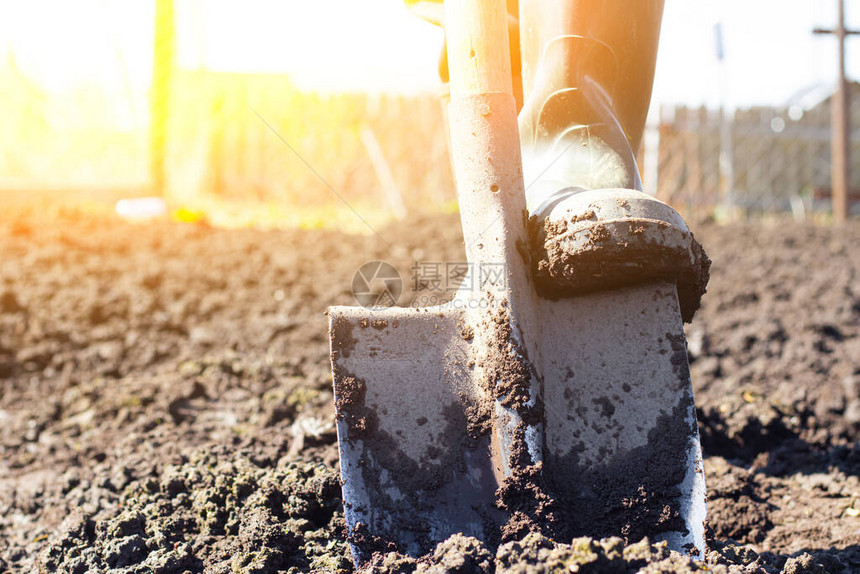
(478, 49)
(485, 142)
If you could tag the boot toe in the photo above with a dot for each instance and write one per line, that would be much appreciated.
(612, 238)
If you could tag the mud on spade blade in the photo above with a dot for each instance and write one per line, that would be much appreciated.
(422, 443)
(621, 447)
(412, 426)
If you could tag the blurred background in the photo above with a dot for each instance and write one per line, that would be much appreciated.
(279, 113)
(165, 388)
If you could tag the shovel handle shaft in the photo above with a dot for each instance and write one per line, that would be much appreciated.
(485, 141)
(478, 50)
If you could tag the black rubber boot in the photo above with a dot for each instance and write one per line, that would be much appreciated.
(588, 70)
(582, 73)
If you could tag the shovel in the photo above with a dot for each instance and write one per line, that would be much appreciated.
(519, 407)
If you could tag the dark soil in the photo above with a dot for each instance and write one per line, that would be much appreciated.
(166, 401)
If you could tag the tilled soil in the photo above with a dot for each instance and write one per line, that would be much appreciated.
(166, 402)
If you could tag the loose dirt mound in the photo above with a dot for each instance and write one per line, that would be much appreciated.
(166, 401)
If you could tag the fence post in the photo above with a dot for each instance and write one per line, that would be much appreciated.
(727, 162)
(162, 67)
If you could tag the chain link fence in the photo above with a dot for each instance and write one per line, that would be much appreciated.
(756, 160)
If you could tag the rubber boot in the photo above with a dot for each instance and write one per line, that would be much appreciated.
(587, 72)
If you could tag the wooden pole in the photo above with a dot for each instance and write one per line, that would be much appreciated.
(840, 124)
(383, 172)
(726, 172)
(840, 166)
(162, 66)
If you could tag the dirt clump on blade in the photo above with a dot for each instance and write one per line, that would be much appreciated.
(166, 402)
